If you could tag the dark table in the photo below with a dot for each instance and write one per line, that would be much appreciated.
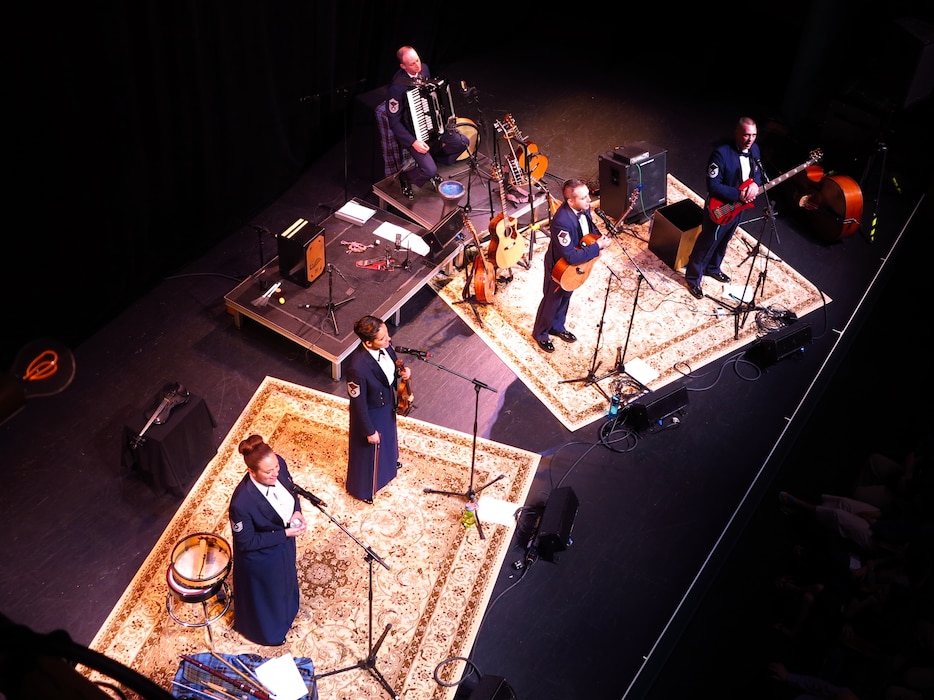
(171, 453)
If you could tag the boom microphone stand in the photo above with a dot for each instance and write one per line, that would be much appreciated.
(742, 308)
(620, 367)
(472, 157)
(369, 663)
(472, 493)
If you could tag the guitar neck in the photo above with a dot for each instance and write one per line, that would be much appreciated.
(784, 176)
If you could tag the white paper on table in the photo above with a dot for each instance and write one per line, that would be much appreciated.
(407, 239)
(494, 510)
(281, 676)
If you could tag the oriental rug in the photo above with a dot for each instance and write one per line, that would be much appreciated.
(429, 602)
(670, 331)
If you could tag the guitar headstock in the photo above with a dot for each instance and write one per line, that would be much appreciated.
(496, 172)
(507, 127)
(816, 156)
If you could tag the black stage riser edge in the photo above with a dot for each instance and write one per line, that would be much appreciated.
(554, 530)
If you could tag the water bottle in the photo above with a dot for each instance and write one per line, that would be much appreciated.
(614, 407)
(469, 516)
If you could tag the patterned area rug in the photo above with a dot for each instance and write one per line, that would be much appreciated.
(433, 595)
(671, 332)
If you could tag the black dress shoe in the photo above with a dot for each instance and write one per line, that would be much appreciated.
(368, 501)
(566, 336)
(436, 182)
(696, 291)
(720, 277)
(406, 187)
(546, 345)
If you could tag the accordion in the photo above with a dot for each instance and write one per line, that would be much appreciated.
(431, 107)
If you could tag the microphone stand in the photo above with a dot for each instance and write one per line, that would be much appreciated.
(620, 367)
(590, 379)
(330, 306)
(472, 158)
(742, 308)
(369, 663)
(472, 493)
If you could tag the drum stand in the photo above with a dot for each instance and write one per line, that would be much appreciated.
(369, 663)
(472, 493)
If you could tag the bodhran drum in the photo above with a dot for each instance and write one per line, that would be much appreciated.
(468, 128)
(200, 561)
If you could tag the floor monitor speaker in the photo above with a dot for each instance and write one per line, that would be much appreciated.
(301, 252)
(640, 171)
(779, 344)
(673, 231)
(554, 529)
(650, 415)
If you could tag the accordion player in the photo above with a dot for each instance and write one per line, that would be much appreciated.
(421, 116)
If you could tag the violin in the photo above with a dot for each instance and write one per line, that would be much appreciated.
(405, 396)
(172, 395)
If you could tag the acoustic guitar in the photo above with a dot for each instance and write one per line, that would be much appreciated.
(506, 245)
(570, 277)
(722, 213)
(537, 164)
(484, 275)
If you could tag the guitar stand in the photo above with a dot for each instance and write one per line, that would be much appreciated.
(330, 306)
(472, 493)
(369, 663)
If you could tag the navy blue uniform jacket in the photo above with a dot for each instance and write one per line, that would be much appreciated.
(265, 579)
(372, 409)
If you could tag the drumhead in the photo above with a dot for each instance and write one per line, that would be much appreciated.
(201, 560)
(469, 129)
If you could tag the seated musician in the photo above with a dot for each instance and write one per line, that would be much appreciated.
(444, 149)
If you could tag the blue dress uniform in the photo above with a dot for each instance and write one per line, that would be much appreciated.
(566, 234)
(724, 176)
(447, 149)
(265, 579)
(372, 409)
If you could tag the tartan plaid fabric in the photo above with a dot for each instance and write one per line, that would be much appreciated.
(393, 159)
(195, 678)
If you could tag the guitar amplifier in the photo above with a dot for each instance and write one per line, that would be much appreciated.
(301, 252)
(626, 168)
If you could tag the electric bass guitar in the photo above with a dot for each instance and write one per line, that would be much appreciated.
(570, 277)
(724, 212)
(506, 245)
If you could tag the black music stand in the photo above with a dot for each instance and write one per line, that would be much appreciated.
(472, 493)
(369, 663)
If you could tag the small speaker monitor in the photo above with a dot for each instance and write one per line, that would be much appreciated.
(441, 234)
(301, 252)
(554, 530)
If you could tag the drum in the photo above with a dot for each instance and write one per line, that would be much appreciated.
(469, 129)
(452, 191)
(200, 561)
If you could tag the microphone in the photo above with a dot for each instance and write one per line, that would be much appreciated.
(309, 495)
(409, 351)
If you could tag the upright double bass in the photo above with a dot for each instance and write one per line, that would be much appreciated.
(832, 204)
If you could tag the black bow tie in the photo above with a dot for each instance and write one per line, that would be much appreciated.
(743, 155)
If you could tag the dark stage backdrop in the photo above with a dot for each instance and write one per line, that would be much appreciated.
(147, 131)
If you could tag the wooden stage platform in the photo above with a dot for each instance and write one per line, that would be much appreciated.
(320, 317)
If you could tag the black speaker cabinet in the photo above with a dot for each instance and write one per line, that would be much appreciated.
(554, 530)
(650, 415)
(626, 169)
(673, 231)
(779, 344)
(301, 252)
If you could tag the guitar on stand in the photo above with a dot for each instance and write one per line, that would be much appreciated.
(506, 245)
(483, 276)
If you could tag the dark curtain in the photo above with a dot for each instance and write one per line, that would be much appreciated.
(145, 132)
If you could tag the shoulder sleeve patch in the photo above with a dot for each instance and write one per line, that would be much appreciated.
(564, 238)
(237, 527)
(713, 170)
(353, 390)
(393, 105)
